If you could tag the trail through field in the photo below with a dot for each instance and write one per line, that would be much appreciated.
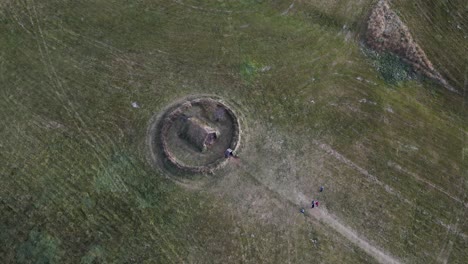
(330, 151)
(322, 215)
(428, 183)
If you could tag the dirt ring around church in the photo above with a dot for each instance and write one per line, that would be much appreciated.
(191, 135)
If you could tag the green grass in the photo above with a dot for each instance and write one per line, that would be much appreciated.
(441, 30)
(75, 181)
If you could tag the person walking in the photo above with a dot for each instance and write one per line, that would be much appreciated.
(228, 153)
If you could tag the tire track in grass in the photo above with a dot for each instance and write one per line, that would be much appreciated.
(330, 151)
(211, 10)
(430, 184)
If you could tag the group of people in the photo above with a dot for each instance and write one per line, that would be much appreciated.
(314, 203)
(229, 153)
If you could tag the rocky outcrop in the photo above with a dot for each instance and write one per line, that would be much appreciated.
(387, 33)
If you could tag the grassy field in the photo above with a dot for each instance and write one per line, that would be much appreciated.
(76, 185)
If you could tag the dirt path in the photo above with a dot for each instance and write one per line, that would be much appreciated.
(330, 151)
(428, 183)
(323, 216)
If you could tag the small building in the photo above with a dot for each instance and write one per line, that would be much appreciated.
(199, 133)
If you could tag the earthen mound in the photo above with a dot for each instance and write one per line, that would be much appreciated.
(387, 33)
(192, 135)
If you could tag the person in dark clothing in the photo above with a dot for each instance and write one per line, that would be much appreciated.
(321, 188)
(228, 153)
(313, 203)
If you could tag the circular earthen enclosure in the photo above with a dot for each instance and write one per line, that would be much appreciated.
(192, 135)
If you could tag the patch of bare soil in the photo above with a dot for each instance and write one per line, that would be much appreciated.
(387, 33)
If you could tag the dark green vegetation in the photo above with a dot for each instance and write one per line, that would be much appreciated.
(75, 184)
(392, 69)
